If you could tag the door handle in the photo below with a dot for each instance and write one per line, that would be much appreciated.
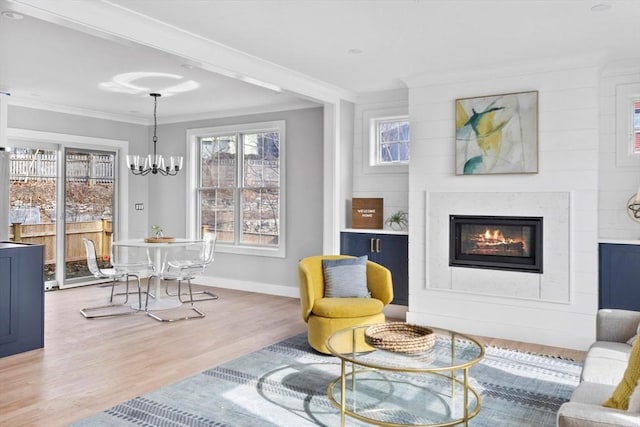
(371, 245)
(378, 245)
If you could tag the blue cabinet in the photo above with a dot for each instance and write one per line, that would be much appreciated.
(390, 250)
(21, 297)
(619, 276)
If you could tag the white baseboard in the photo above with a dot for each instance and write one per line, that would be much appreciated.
(533, 333)
(391, 311)
(248, 286)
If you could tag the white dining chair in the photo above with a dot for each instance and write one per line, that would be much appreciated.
(184, 267)
(115, 274)
(206, 255)
(137, 262)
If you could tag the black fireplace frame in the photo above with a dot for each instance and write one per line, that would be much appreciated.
(531, 264)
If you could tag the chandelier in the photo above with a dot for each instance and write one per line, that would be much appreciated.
(154, 163)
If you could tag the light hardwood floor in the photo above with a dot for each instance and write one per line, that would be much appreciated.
(90, 365)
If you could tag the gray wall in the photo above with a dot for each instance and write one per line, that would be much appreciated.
(304, 145)
(165, 197)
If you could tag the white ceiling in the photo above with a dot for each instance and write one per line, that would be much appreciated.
(62, 50)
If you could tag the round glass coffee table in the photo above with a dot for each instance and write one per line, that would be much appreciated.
(428, 388)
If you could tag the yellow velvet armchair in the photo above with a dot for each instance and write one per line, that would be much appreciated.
(324, 316)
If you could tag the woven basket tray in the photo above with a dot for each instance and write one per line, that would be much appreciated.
(400, 337)
(159, 239)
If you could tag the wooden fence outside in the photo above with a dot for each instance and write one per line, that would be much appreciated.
(79, 167)
(98, 231)
(45, 234)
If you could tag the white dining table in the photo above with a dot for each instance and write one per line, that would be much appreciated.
(157, 254)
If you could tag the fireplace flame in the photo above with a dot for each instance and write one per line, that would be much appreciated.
(495, 237)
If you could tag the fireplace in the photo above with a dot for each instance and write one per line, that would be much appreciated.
(496, 242)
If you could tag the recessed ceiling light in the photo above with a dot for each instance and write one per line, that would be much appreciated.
(600, 7)
(355, 51)
(12, 15)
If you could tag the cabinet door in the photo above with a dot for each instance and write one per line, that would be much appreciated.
(394, 254)
(358, 244)
(21, 298)
(8, 300)
(390, 250)
(619, 272)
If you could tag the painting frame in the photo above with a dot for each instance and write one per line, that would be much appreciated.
(497, 134)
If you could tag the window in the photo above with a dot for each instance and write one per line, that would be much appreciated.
(385, 140)
(628, 125)
(240, 186)
(391, 143)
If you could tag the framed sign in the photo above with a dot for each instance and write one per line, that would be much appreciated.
(366, 212)
(497, 134)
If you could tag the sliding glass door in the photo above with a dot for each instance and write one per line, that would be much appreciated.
(33, 186)
(59, 195)
(89, 195)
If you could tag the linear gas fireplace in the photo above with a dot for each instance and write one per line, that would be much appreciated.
(496, 242)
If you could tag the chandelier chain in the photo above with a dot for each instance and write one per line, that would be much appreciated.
(155, 118)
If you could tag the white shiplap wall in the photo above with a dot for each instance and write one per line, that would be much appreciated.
(392, 187)
(617, 181)
(568, 162)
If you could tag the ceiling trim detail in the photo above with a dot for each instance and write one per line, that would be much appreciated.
(37, 105)
(107, 20)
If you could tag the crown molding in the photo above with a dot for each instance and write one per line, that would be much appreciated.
(37, 105)
(504, 70)
(59, 108)
(616, 68)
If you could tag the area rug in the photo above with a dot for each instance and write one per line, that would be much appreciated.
(285, 384)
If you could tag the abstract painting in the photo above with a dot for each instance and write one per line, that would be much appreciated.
(497, 134)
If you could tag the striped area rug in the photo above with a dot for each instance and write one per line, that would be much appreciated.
(285, 384)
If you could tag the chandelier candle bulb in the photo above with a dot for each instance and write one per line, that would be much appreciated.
(175, 162)
(133, 161)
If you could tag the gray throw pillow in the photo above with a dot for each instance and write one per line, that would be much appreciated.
(345, 278)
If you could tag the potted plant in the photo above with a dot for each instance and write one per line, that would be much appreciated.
(398, 220)
(156, 230)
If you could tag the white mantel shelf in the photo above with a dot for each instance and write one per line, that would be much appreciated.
(620, 241)
(374, 231)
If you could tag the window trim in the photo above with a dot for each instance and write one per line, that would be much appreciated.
(626, 97)
(370, 143)
(375, 155)
(193, 213)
